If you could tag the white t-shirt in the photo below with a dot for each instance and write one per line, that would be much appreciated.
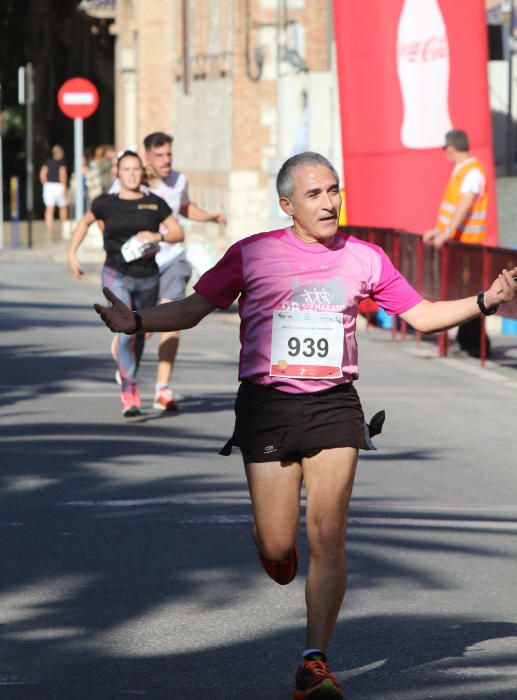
(474, 182)
(174, 190)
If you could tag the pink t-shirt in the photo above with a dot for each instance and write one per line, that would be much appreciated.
(276, 272)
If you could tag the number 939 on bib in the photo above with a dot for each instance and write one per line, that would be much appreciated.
(307, 345)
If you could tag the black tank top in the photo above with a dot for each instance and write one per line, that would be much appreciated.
(53, 166)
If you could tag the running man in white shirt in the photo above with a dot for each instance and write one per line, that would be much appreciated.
(175, 270)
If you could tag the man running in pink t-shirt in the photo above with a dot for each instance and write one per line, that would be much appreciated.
(298, 416)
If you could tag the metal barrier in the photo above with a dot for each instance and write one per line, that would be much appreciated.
(456, 271)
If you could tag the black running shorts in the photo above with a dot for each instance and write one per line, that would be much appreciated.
(271, 425)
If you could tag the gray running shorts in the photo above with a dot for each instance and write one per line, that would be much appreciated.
(174, 279)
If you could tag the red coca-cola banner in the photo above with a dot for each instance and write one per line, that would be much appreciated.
(409, 71)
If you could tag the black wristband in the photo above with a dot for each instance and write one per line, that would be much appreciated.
(138, 324)
(483, 308)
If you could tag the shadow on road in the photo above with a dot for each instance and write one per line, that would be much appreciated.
(88, 558)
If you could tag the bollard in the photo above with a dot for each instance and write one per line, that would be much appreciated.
(14, 190)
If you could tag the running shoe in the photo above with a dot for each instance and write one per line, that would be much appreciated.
(130, 408)
(136, 396)
(283, 572)
(314, 682)
(164, 400)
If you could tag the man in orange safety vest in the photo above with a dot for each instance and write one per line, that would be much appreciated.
(462, 216)
(463, 211)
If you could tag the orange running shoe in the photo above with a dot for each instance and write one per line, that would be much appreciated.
(283, 572)
(165, 400)
(314, 682)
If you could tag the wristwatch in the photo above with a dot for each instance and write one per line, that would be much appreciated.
(483, 308)
(138, 324)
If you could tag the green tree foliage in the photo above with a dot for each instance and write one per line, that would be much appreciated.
(61, 43)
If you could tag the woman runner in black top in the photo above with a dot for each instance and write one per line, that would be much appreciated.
(148, 218)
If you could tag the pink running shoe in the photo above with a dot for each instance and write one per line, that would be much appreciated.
(129, 405)
(136, 397)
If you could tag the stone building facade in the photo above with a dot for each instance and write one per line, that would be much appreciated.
(241, 84)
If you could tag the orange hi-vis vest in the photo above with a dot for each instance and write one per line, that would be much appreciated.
(473, 227)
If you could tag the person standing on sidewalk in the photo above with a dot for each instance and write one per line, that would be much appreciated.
(175, 270)
(298, 416)
(53, 176)
(462, 216)
(133, 223)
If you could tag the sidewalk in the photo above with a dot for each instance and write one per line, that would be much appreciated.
(501, 368)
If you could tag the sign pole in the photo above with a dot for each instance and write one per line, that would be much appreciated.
(78, 166)
(78, 99)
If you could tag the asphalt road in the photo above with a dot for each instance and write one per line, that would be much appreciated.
(127, 565)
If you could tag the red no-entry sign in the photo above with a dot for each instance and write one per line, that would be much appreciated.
(78, 98)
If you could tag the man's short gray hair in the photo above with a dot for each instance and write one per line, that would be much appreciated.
(458, 139)
(284, 179)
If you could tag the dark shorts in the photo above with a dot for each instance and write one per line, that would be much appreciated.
(174, 278)
(271, 425)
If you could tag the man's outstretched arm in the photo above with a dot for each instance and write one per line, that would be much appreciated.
(174, 316)
(429, 317)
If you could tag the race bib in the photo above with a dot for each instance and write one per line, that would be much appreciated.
(307, 344)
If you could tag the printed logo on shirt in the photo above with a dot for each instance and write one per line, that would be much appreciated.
(317, 295)
(269, 449)
(152, 207)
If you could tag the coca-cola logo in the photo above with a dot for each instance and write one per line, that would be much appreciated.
(433, 49)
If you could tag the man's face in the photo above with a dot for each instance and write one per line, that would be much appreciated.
(314, 203)
(450, 152)
(159, 159)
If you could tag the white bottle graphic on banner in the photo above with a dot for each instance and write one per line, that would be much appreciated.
(423, 70)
